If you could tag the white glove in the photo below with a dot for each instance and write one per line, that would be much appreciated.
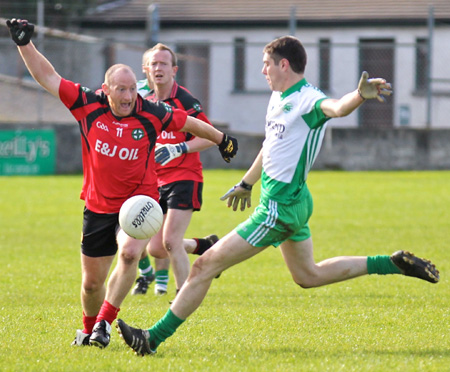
(168, 152)
(373, 88)
(241, 192)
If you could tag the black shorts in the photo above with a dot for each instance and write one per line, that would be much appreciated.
(181, 195)
(99, 234)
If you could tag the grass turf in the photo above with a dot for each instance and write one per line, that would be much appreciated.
(254, 317)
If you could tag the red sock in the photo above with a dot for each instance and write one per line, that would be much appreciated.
(88, 323)
(202, 246)
(108, 312)
(197, 247)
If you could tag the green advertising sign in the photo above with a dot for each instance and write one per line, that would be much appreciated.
(27, 152)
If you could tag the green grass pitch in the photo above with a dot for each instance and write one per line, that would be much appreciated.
(254, 317)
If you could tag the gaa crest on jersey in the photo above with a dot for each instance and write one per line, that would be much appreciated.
(167, 107)
(137, 134)
(197, 107)
(288, 107)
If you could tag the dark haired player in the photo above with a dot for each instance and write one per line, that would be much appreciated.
(296, 119)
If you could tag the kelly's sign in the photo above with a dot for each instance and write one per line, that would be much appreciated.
(27, 152)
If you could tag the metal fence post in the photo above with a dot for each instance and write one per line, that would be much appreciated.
(429, 62)
(40, 41)
(152, 26)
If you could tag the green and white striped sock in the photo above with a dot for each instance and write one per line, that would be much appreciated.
(145, 267)
(161, 281)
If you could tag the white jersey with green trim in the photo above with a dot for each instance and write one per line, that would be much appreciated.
(142, 88)
(295, 127)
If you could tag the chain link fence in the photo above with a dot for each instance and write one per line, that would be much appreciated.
(218, 73)
(77, 58)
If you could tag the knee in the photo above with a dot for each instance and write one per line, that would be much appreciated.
(129, 256)
(303, 285)
(170, 245)
(158, 252)
(305, 282)
(205, 268)
(90, 286)
(197, 268)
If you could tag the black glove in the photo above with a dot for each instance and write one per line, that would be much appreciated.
(228, 147)
(21, 31)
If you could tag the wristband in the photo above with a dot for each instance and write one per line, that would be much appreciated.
(184, 147)
(245, 185)
(360, 94)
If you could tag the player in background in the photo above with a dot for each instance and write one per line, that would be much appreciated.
(118, 133)
(297, 116)
(180, 176)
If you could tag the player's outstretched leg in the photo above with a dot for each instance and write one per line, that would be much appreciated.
(136, 339)
(411, 265)
(145, 341)
(204, 244)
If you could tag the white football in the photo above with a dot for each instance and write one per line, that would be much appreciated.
(140, 217)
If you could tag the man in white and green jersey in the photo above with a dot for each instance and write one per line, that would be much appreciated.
(295, 124)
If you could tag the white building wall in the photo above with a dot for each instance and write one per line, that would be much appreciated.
(245, 111)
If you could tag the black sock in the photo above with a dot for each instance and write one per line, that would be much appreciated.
(202, 246)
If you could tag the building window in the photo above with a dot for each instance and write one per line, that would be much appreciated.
(421, 64)
(239, 64)
(376, 56)
(193, 70)
(324, 64)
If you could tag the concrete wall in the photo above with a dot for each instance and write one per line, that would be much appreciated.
(394, 149)
(349, 149)
(355, 149)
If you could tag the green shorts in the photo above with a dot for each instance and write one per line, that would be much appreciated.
(272, 223)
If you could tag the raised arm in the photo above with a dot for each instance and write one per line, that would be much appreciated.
(40, 68)
(367, 89)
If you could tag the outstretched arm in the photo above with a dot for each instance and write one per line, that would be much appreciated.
(367, 89)
(40, 68)
(228, 145)
(198, 144)
(201, 129)
(167, 152)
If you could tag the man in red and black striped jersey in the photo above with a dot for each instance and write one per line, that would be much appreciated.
(179, 171)
(118, 133)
